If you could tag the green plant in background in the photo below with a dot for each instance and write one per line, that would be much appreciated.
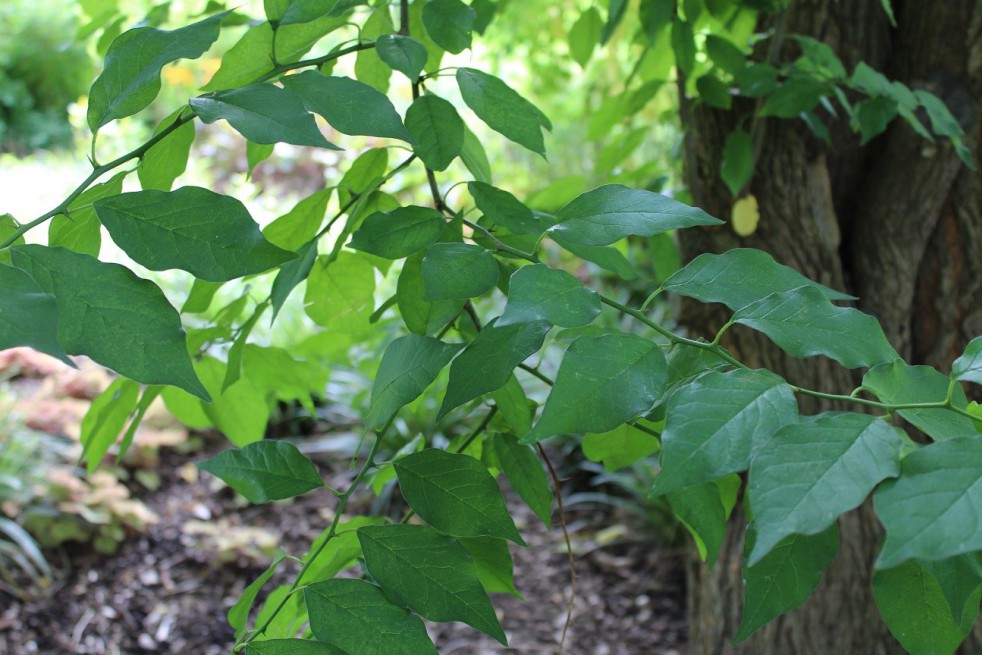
(34, 98)
(21, 562)
(448, 264)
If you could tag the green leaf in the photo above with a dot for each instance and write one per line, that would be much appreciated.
(683, 45)
(402, 53)
(430, 573)
(305, 11)
(265, 471)
(704, 509)
(291, 647)
(810, 472)
(298, 226)
(611, 212)
(506, 210)
(804, 323)
(256, 153)
(503, 109)
(749, 275)
(168, 158)
(603, 382)
(914, 608)
(725, 54)
(240, 412)
(540, 293)
(525, 475)
(449, 23)
(959, 579)
(713, 91)
(714, 424)
(109, 314)
(738, 161)
(455, 494)
(872, 116)
(356, 617)
(932, 511)
(28, 314)
(495, 568)
(291, 274)
(619, 447)
(475, 158)
(238, 614)
(350, 106)
(585, 35)
(897, 383)
(606, 257)
(105, 420)
(486, 364)
(8, 227)
(398, 233)
(78, 228)
(783, 580)
(615, 15)
(757, 80)
(514, 406)
(437, 129)
(421, 316)
(409, 365)
(969, 365)
(369, 67)
(263, 113)
(252, 56)
(131, 77)
(458, 270)
(339, 293)
(330, 556)
(796, 96)
(211, 236)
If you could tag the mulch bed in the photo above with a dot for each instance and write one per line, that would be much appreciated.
(167, 591)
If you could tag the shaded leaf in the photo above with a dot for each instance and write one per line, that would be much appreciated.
(525, 475)
(265, 471)
(749, 275)
(449, 23)
(437, 129)
(168, 158)
(495, 568)
(211, 236)
(130, 79)
(111, 315)
(897, 383)
(809, 473)
(934, 509)
(402, 53)
(783, 579)
(458, 270)
(409, 365)
(430, 573)
(602, 382)
(486, 364)
(263, 113)
(506, 210)
(350, 106)
(28, 314)
(715, 423)
(398, 233)
(611, 212)
(803, 323)
(455, 494)
(503, 109)
(914, 608)
(540, 293)
(355, 616)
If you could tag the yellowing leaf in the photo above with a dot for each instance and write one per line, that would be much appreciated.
(745, 216)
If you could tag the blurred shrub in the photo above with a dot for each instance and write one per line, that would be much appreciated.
(43, 69)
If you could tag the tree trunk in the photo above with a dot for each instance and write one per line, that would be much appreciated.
(898, 223)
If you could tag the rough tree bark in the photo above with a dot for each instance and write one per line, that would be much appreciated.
(898, 223)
